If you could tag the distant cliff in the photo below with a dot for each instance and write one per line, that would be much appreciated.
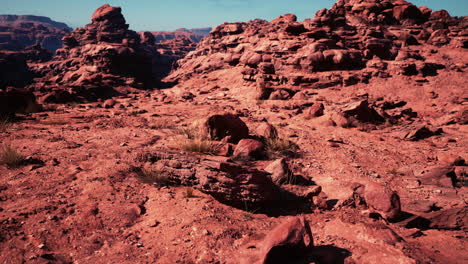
(19, 32)
(196, 34)
(15, 20)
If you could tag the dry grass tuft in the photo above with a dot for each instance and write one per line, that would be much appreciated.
(157, 177)
(199, 145)
(5, 123)
(10, 156)
(162, 124)
(281, 147)
(193, 141)
(188, 192)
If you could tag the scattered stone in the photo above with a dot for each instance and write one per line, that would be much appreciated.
(280, 172)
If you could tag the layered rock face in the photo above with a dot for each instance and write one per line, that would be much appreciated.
(352, 35)
(102, 56)
(19, 32)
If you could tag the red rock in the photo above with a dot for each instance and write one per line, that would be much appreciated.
(449, 219)
(225, 125)
(266, 130)
(407, 11)
(440, 14)
(315, 110)
(14, 71)
(280, 172)
(279, 95)
(385, 201)
(443, 177)
(249, 149)
(287, 242)
(422, 133)
(109, 103)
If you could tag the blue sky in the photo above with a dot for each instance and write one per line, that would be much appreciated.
(173, 14)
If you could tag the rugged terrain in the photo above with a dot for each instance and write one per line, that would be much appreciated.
(339, 139)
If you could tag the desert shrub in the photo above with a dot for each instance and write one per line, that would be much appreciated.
(194, 141)
(157, 177)
(10, 156)
(200, 145)
(188, 192)
(281, 147)
(4, 123)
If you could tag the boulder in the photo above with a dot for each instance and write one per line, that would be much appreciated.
(14, 71)
(220, 126)
(267, 131)
(422, 132)
(362, 112)
(383, 200)
(441, 176)
(249, 149)
(407, 11)
(288, 242)
(280, 172)
(279, 94)
(315, 110)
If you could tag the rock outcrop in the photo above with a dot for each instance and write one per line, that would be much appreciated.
(352, 35)
(97, 60)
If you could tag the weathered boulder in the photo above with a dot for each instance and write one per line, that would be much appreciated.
(280, 172)
(217, 127)
(422, 132)
(383, 200)
(249, 149)
(362, 112)
(315, 110)
(267, 131)
(290, 241)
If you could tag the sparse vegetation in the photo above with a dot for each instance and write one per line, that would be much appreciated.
(157, 177)
(281, 147)
(4, 123)
(289, 178)
(10, 156)
(161, 124)
(199, 145)
(188, 192)
(194, 141)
